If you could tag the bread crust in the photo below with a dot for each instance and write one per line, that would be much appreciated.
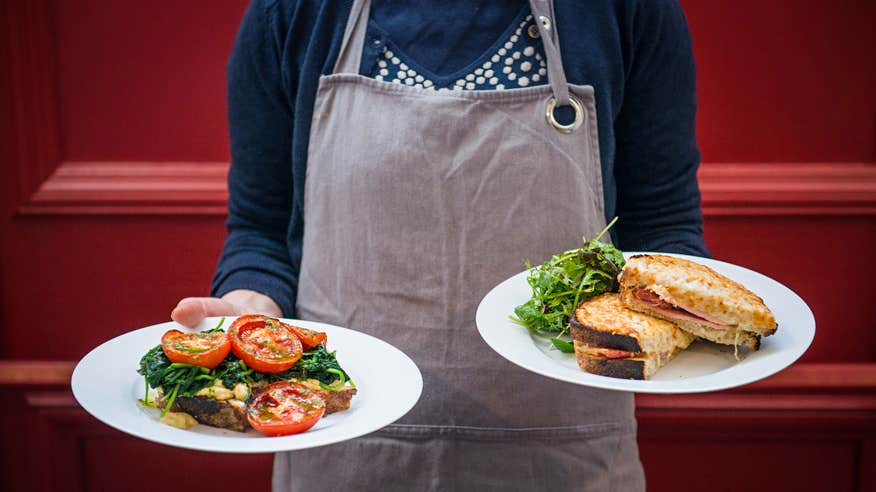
(642, 366)
(613, 368)
(591, 336)
(339, 400)
(212, 412)
(698, 288)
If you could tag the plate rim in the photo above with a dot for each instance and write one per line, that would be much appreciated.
(647, 386)
(230, 444)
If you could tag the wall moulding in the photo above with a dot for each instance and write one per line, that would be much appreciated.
(199, 188)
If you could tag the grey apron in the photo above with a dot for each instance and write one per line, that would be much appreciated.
(416, 203)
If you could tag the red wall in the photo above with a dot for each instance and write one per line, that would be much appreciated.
(785, 81)
(113, 150)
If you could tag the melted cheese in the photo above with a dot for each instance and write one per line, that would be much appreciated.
(606, 313)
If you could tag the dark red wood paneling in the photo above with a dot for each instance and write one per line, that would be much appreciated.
(133, 188)
(67, 449)
(785, 81)
(14, 459)
(144, 80)
(731, 465)
(29, 78)
(788, 189)
(149, 467)
(80, 281)
(826, 260)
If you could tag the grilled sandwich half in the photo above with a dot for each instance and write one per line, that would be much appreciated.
(611, 340)
(696, 298)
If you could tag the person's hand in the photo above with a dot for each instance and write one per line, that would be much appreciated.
(191, 310)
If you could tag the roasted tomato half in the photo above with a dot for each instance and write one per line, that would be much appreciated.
(200, 349)
(309, 338)
(284, 408)
(264, 344)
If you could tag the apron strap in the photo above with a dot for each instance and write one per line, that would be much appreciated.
(543, 12)
(350, 55)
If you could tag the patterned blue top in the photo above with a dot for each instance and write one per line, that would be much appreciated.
(516, 59)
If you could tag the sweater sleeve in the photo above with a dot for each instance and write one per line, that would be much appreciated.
(657, 156)
(256, 255)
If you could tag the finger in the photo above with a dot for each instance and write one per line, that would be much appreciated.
(192, 310)
(252, 302)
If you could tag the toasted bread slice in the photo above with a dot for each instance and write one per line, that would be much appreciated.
(226, 414)
(699, 290)
(335, 401)
(725, 336)
(642, 366)
(697, 298)
(612, 340)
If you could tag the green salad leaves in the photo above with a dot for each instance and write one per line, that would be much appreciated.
(563, 281)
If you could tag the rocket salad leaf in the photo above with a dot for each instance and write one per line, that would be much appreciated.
(563, 346)
(567, 278)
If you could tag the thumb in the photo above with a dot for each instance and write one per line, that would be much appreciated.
(192, 310)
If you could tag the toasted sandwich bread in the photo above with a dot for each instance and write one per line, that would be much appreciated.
(611, 340)
(696, 298)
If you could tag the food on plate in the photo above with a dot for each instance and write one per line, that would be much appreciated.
(283, 408)
(211, 406)
(198, 349)
(563, 281)
(697, 299)
(258, 352)
(309, 339)
(180, 420)
(664, 304)
(264, 343)
(612, 340)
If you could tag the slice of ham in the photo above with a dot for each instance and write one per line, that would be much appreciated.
(614, 354)
(672, 311)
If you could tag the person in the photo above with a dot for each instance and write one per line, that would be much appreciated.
(392, 161)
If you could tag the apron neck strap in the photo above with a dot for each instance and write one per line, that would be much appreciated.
(350, 55)
(543, 13)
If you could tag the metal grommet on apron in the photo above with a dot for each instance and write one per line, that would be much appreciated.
(569, 127)
(416, 203)
(544, 21)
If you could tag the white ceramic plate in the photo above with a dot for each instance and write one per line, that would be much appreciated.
(106, 384)
(701, 367)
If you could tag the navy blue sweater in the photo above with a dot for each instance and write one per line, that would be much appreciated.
(635, 53)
